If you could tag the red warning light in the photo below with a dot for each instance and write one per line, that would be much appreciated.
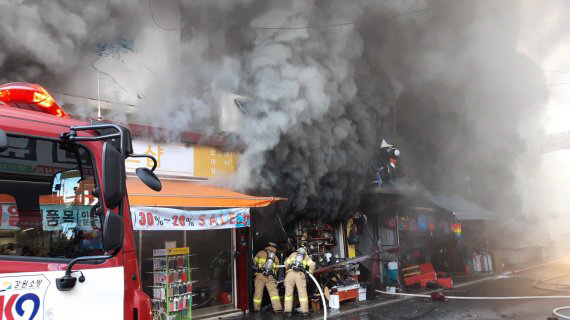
(31, 97)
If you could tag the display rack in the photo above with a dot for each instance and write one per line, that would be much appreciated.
(172, 285)
(321, 237)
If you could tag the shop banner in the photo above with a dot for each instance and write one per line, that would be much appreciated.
(157, 218)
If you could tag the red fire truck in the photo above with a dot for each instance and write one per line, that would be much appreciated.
(66, 242)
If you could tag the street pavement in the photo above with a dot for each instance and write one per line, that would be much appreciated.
(519, 284)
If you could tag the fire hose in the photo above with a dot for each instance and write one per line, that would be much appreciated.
(475, 298)
(320, 292)
(555, 311)
(558, 314)
(322, 295)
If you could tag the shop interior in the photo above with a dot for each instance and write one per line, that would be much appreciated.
(332, 246)
(211, 263)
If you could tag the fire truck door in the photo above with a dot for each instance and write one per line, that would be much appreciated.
(34, 295)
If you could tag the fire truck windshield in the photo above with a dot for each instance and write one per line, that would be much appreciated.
(46, 201)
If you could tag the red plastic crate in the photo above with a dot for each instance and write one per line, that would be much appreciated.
(444, 280)
(422, 279)
(426, 268)
(423, 282)
(348, 294)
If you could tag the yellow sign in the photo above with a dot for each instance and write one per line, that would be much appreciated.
(209, 162)
(180, 160)
(350, 248)
(177, 251)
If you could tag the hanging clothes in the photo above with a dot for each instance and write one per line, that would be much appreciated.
(422, 223)
(412, 224)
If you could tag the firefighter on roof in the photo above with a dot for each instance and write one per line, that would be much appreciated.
(297, 264)
(266, 263)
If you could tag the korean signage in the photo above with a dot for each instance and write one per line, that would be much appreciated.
(173, 159)
(22, 297)
(52, 218)
(38, 158)
(34, 295)
(179, 160)
(209, 161)
(170, 252)
(158, 218)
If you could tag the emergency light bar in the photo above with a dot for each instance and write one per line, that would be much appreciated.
(31, 97)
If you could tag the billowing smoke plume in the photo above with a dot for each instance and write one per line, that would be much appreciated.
(309, 138)
(114, 50)
(45, 41)
(327, 80)
(472, 105)
(444, 80)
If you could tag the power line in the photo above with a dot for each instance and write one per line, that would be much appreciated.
(559, 108)
(94, 99)
(154, 19)
(557, 71)
(558, 83)
(358, 22)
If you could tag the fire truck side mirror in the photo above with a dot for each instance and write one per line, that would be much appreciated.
(3, 141)
(113, 232)
(149, 178)
(114, 176)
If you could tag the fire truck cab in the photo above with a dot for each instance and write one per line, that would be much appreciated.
(66, 243)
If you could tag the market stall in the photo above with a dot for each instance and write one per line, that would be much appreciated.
(332, 247)
(213, 223)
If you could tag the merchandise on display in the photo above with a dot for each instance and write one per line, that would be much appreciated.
(172, 287)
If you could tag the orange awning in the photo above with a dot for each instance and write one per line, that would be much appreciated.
(179, 193)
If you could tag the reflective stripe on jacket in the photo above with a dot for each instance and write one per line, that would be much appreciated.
(261, 257)
(307, 262)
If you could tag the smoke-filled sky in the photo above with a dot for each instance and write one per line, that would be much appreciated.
(447, 81)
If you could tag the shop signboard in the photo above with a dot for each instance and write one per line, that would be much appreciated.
(159, 218)
(182, 161)
(172, 159)
(209, 162)
(41, 158)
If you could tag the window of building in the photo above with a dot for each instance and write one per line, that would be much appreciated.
(211, 261)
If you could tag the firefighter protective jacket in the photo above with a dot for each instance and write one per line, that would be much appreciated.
(308, 263)
(261, 257)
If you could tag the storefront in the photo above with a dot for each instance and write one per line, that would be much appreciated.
(412, 231)
(337, 270)
(212, 222)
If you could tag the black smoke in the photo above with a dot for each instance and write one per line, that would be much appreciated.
(448, 85)
(445, 81)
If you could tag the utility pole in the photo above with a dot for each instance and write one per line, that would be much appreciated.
(99, 117)
(394, 120)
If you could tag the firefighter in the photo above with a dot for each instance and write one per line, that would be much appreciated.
(266, 263)
(297, 264)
